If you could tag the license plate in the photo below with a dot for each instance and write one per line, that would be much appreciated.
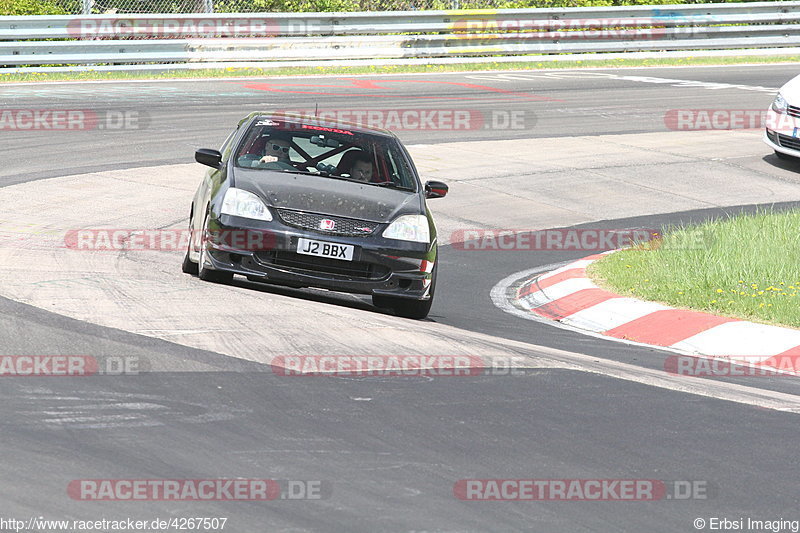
(325, 249)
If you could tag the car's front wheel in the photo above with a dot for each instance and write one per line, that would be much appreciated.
(189, 266)
(404, 307)
(208, 274)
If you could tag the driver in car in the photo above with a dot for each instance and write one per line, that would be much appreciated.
(276, 153)
(362, 169)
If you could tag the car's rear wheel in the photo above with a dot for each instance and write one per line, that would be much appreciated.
(404, 307)
(207, 274)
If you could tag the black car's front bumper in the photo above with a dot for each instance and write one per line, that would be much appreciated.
(267, 251)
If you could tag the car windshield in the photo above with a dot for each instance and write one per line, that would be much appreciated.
(325, 151)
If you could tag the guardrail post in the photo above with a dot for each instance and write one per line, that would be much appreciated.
(208, 6)
(87, 7)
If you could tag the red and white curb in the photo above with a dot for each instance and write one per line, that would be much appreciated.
(568, 296)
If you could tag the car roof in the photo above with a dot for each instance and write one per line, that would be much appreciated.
(298, 120)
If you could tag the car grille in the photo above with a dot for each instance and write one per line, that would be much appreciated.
(323, 265)
(789, 142)
(793, 111)
(348, 227)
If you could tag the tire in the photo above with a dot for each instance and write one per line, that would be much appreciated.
(416, 309)
(207, 274)
(189, 266)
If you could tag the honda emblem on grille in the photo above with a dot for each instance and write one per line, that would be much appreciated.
(327, 224)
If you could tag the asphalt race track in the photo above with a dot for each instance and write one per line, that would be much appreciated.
(590, 149)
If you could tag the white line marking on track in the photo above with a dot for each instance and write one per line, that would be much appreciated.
(641, 79)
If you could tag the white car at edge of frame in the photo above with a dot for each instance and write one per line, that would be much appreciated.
(782, 131)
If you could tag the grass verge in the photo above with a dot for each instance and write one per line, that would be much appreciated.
(232, 72)
(747, 266)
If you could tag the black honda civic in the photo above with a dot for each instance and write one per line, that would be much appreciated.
(305, 202)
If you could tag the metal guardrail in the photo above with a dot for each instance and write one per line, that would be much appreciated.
(270, 37)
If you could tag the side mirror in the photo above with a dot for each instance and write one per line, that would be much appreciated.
(435, 189)
(208, 157)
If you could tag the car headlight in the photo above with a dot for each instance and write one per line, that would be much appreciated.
(409, 228)
(780, 105)
(240, 203)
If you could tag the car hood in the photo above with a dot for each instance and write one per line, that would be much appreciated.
(327, 196)
(791, 91)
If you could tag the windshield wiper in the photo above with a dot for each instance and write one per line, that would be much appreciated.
(389, 184)
(392, 185)
(305, 172)
(321, 175)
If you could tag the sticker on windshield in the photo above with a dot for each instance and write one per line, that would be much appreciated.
(267, 123)
(321, 128)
